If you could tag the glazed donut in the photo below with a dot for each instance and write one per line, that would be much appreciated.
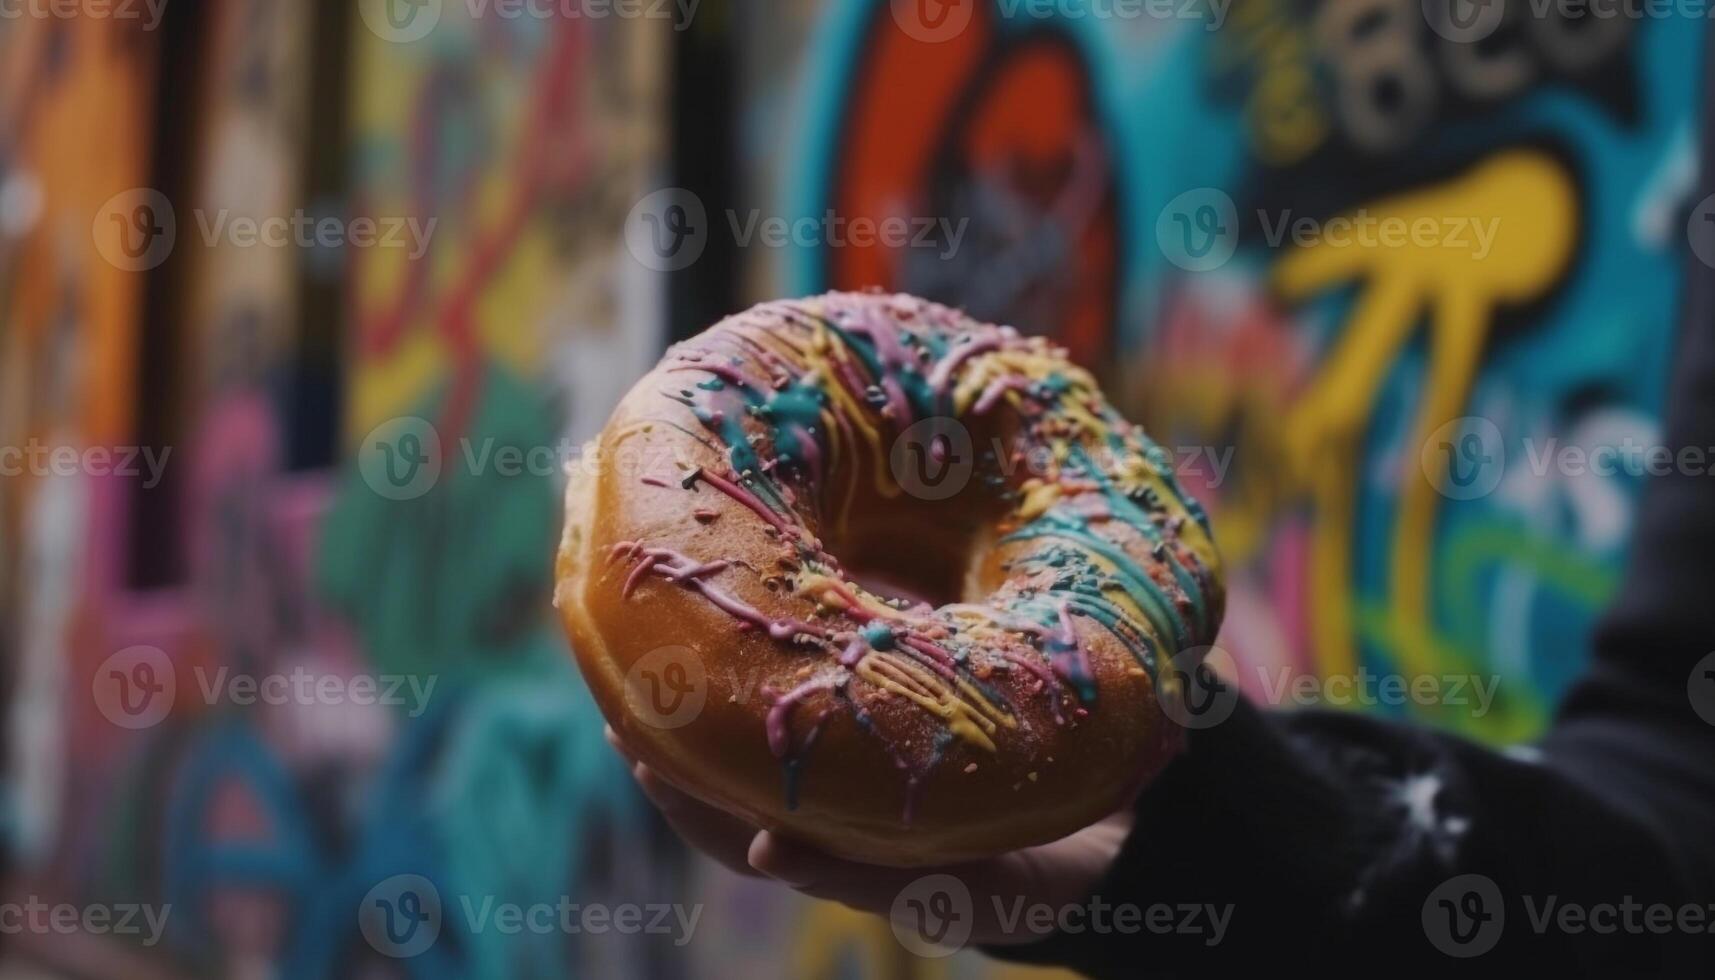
(864, 571)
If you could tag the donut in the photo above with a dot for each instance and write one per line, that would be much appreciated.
(899, 584)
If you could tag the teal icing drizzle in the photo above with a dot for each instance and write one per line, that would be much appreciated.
(879, 636)
(1126, 509)
(793, 415)
(1129, 575)
(1080, 585)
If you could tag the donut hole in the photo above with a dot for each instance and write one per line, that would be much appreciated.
(929, 551)
(918, 557)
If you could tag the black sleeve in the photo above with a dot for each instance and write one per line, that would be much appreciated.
(1353, 845)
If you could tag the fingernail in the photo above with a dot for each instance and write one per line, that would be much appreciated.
(659, 791)
(773, 857)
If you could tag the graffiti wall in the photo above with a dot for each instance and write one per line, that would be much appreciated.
(1387, 426)
(149, 764)
(315, 434)
(168, 292)
(74, 122)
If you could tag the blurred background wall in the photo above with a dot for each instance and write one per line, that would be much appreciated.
(1107, 174)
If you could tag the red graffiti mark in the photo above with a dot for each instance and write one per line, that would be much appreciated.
(999, 130)
(554, 154)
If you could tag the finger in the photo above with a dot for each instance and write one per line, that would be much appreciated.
(866, 887)
(713, 831)
(997, 889)
(872, 888)
(613, 740)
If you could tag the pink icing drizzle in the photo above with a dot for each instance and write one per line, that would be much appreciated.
(779, 735)
(744, 497)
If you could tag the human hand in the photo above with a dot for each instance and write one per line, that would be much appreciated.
(1055, 875)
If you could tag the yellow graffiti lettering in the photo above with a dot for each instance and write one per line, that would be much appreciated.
(1527, 202)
